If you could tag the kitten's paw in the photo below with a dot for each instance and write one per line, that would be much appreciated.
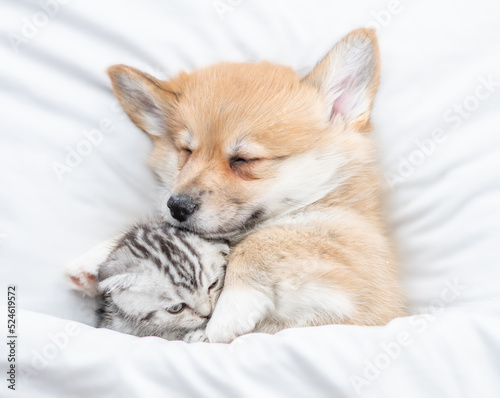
(236, 313)
(195, 336)
(81, 273)
(85, 282)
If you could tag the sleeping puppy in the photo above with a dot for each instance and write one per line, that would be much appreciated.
(283, 167)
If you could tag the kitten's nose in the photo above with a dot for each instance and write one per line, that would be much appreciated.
(181, 207)
(205, 310)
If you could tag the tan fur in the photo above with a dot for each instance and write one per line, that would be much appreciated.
(276, 115)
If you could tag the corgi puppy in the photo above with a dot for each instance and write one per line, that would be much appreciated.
(284, 168)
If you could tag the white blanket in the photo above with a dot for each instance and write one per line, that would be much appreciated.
(73, 173)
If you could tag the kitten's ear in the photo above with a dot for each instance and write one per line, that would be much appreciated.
(81, 273)
(117, 271)
(145, 99)
(116, 282)
(88, 279)
(348, 77)
(120, 261)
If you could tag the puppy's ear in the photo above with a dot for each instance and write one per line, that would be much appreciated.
(348, 77)
(145, 99)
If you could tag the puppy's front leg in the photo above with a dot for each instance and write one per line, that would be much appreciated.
(248, 294)
(238, 310)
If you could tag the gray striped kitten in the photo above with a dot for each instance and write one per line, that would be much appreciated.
(161, 281)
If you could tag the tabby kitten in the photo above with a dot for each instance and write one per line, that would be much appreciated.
(159, 281)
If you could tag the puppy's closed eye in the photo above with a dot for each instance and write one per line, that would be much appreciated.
(184, 154)
(238, 161)
(242, 166)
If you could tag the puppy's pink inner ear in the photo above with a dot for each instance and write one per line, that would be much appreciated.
(339, 105)
(347, 94)
(348, 77)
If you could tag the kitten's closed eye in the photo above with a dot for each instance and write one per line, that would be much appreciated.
(213, 285)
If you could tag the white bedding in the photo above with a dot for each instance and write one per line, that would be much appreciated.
(444, 212)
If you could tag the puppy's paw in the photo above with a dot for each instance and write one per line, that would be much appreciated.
(237, 313)
(196, 336)
(225, 330)
(81, 273)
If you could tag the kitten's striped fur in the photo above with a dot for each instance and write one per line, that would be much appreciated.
(154, 267)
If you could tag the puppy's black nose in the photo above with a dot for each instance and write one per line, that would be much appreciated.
(181, 207)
